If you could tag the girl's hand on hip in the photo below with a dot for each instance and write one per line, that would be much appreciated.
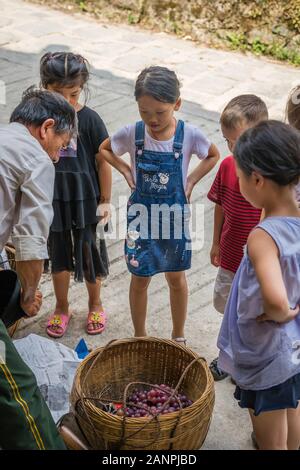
(291, 315)
(129, 178)
(188, 190)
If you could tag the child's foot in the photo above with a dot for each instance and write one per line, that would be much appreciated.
(180, 340)
(58, 323)
(96, 322)
(217, 373)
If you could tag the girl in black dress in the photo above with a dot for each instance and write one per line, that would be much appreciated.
(80, 187)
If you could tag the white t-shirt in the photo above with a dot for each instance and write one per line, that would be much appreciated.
(194, 142)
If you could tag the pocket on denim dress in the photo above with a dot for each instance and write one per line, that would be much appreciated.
(154, 181)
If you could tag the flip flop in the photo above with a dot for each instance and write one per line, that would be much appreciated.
(96, 318)
(61, 321)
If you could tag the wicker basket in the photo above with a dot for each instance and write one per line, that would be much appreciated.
(143, 360)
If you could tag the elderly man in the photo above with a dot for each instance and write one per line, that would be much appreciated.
(40, 125)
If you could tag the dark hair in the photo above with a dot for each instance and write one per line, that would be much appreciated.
(159, 82)
(272, 148)
(38, 105)
(244, 109)
(64, 68)
(293, 107)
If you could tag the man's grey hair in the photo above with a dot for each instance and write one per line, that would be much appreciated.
(38, 105)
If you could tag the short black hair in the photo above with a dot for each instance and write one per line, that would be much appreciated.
(272, 148)
(65, 69)
(38, 105)
(159, 82)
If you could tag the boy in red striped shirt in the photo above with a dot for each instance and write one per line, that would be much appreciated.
(234, 217)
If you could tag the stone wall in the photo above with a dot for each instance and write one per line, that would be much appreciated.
(262, 26)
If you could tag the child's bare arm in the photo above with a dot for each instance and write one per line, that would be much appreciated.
(264, 256)
(106, 154)
(105, 178)
(202, 169)
(105, 183)
(218, 224)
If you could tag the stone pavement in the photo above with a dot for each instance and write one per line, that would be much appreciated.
(209, 79)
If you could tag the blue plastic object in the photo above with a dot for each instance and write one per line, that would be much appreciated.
(82, 349)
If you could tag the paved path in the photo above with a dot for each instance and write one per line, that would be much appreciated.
(209, 79)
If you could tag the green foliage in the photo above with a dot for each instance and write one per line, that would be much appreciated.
(82, 5)
(132, 19)
(237, 40)
(258, 47)
(283, 53)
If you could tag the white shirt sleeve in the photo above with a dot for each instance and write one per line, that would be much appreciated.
(122, 141)
(201, 144)
(35, 213)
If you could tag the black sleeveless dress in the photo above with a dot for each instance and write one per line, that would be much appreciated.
(72, 239)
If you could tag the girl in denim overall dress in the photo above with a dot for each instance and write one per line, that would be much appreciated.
(160, 148)
(260, 334)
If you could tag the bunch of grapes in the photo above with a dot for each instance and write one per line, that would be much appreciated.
(159, 400)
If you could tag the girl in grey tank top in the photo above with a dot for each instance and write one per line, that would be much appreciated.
(259, 339)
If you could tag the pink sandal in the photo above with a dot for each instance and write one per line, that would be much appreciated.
(96, 318)
(60, 321)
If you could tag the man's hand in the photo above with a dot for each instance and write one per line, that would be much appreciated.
(29, 274)
(215, 255)
(291, 314)
(31, 304)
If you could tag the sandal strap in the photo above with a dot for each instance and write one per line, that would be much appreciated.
(216, 371)
(180, 340)
(96, 317)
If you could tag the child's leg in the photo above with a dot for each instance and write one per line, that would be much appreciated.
(271, 429)
(293, 417)
(61, 282)
(178, 300)
(138, 303)
(95, 304)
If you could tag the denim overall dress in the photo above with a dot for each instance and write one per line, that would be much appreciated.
(157, 238)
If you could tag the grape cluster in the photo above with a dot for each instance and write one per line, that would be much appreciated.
(159, 400)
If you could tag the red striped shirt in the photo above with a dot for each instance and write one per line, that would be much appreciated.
(239, 216)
